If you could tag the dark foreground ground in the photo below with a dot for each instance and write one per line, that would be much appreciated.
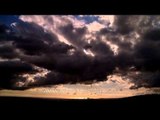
(134, 105)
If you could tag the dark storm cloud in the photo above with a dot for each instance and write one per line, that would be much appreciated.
(101, 49)
(51, 78)
(7, 51)
(76, 67)
(33, 31)
(85, 67)
(126, 24)
(148, 50)
(10, 70)
(30, 40)
(33, 45)
(144, 55)
(144, 79)
(77, 64)
(146, 47)
(122, 24)
(147, 55)
(153, 35)
(30, 43)
(74, 35)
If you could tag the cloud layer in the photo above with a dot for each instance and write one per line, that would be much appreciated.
(43, 50)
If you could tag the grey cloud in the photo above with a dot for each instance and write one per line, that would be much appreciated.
(74, 35)
(42, 48)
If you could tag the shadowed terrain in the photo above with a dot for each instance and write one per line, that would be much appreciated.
(146, 103)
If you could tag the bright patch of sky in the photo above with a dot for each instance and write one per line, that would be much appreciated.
(8, 19)
(87, 18)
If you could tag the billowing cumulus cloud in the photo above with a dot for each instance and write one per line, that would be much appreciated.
(53, 49)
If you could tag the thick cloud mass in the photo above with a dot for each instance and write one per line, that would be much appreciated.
(10, 70)
(71, 53)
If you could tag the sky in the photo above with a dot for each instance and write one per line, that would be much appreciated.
(38, 50)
